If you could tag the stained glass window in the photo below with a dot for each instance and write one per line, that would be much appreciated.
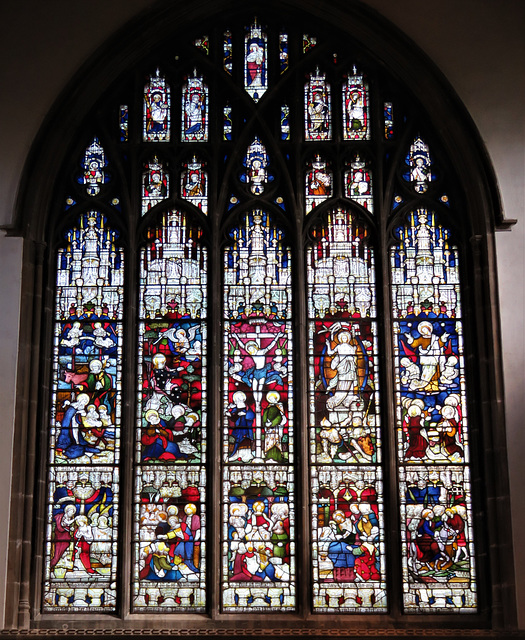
(255, 62)
(431, 418)
(345, 439)
(285, 122)
(170, 495)
(358, 183)
(155, 185)
(388, 111)
(356, 110)
(319, 183)
(228, 52)
(283, 51)
(84, 438)
(227, 122)
(317, 108)
(194, 184)
(303, 475)
(309, 42)
(203, 43)
(94, 168)
(258, 441)
(256, 162)
(156, 110)
(124, 122)
(194, 110)
(419, 164)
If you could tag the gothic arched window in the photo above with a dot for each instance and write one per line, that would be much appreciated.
(261, 396)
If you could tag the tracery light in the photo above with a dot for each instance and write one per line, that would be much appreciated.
(358, 183)
(155, 184)
(317, 108)
(356, 108)
(194, 110)
(94, 168)
(319, 183)
(156, 127)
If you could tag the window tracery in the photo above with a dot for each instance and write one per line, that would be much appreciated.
(262, 288)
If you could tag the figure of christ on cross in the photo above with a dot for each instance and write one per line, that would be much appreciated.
(260, 374)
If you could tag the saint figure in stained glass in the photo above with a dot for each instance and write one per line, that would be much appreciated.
(194, 110)
(155, 185)
(419, 166)
(194, 184)
(94, 164)
(317, 108)
(358, 183)
(256, 162)
(319, 183)
(356, 110)
(156, 110)
(255, 61)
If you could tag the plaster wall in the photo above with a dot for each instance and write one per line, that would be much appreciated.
(479, 45)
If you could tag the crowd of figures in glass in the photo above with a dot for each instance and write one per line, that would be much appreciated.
(345, 438)
(170, 441)
(156, 126)
(80, 557)
(431, 417)
(155, 184)
(317, 108)
(255, 61)
(258, 570)
(319, 183)
(194, 110)
(356, 116)
(257, 447)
